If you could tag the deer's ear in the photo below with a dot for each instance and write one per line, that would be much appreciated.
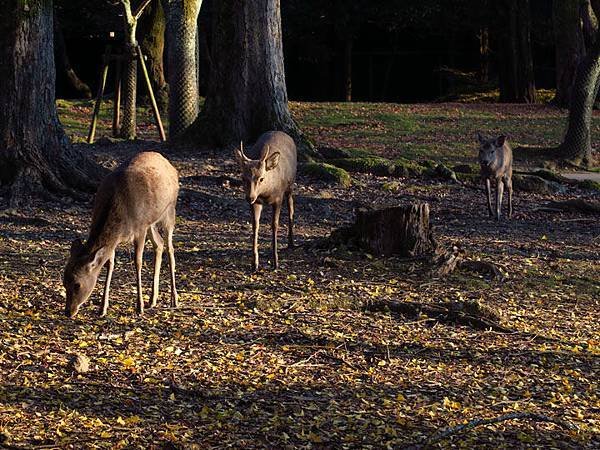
(272, 161)
(76, 247)
(480, 138)
(500, 141)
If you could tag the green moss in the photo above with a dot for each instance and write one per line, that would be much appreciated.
(327, 172)
(373, 164)
(407, 168)
(589, 184)
(391, 186)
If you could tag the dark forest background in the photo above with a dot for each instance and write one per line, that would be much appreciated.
(395, 50)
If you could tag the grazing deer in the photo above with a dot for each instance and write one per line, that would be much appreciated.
(268, 174)
(495, 159)
(137, 198)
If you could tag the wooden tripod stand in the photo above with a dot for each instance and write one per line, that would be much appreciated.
(118, 59)
(130, 53)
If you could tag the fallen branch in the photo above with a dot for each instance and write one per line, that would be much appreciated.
(443, 434)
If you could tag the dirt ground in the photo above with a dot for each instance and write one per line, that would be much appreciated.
(293, 358)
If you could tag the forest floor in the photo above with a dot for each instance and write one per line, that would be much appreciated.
(295, 357)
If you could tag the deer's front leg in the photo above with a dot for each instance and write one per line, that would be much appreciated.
(109, 271)
(499, 193)
(488, 190)
(255, 211)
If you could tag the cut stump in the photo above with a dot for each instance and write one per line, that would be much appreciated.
(399, 230)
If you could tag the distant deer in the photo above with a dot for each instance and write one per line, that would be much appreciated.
(495, 159)
(268, 175)
(138, 197)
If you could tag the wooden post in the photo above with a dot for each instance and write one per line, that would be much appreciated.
(106, 60)
(116, 125)
(155, 110)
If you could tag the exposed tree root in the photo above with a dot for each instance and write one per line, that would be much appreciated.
(450, 431)
(469, 313)
(574, 205)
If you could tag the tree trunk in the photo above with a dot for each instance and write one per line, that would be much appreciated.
(484, 55)
(577, 144)
(182, 20)
(152, 26)
(517, 83)
(247, 93)
(128, 126)
(63, 64)
(570, 47)
(400, 230)
(348, 68)
(35, 155)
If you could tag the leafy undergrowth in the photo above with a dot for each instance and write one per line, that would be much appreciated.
(293, 358)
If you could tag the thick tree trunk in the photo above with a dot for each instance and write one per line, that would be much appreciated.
(129, 80)
(35, 155)
(570, 47)
(152, 27)
(517, 83)
(400, 230)
(577, 144)
(247, 93)
(63, 64)
(182, 21)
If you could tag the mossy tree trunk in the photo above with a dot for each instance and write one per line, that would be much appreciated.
(570, 46)
(152, 28)
(247, 94)
(513, 28)
(36, 158)
(182, 26)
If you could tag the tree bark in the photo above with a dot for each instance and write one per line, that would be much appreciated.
(400, 230)
(128, 125)
(570, 47)
(517, 83)
(36, 158)
(182, 26)
(63, 63)
(577, 144)
(152, 27)
(348, 68)
(247, 93)
(484, 55)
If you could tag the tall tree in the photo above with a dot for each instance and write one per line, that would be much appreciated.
(577, 144)
(513, 29)
(570, 46)
(247, 94)
(152, 29)
(182, 26)
(35, 155)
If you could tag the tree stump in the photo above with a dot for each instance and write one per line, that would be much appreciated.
(398, 230)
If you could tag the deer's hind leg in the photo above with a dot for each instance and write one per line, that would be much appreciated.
(159, 245)
(138, 243)
(169, 227)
